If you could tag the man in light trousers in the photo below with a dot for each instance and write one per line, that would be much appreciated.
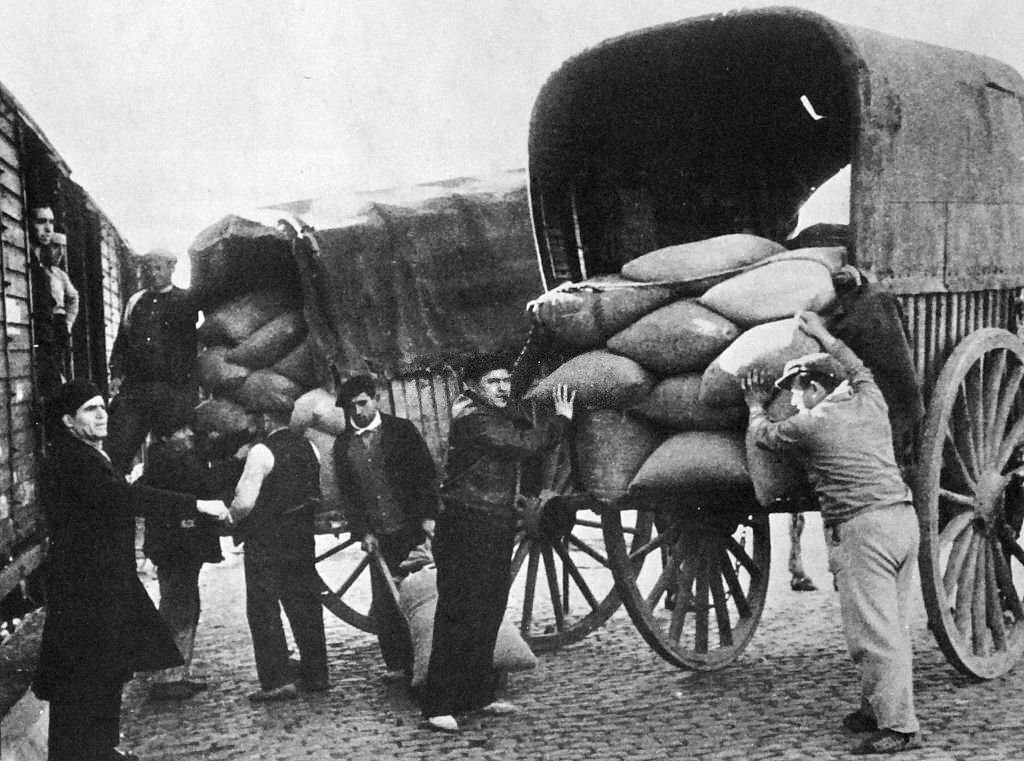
(842, 435)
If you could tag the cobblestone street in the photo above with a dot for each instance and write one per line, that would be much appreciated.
(607, 697)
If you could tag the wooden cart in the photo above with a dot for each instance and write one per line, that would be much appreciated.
(657, 137)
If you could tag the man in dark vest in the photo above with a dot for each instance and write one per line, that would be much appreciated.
(153, 357)
(386, 474)
(101, 626)
(273, 505)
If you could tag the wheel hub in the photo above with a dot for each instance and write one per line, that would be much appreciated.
(988, 497)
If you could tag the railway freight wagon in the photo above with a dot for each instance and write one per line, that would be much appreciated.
(32, 173)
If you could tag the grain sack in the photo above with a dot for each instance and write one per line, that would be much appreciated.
(233, 322)
(833, 257)
(330, 500)
(215, 373)
(602, 380)
(417, 599)
(610, 447)
(675, 402)
(775, 475)
(315, 409)
(301, 365)
(771, 292)
(701, 263)
(265, 390)
(223, 416)
(695, 461)
(678, 338)
(271, 342)
(767, 347)
(590, 312)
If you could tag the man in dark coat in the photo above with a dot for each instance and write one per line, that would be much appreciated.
(100, 626)
(152, 363)
(389, 483)
(487, 446)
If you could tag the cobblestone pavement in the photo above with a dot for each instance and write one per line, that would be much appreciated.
(606, 697)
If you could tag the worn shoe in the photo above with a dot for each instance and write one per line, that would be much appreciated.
(284, 692)
(500, 708)
(171, 691)
(803, 584)
(888, 741)
(858, 721)
(445, 723)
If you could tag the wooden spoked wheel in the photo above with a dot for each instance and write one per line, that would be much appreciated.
(696, 590)
(969, 505)
(343, 571)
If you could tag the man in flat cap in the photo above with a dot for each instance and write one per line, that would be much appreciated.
(152, 363)
(101, 625)
(841, 434)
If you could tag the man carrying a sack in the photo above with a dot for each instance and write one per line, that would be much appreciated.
(387, 475)
(842, 435)
(475, 533)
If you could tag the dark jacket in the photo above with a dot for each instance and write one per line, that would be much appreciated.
(101, 626)
(487, 448)
(408, 468)
(170, 465)
(157, 341)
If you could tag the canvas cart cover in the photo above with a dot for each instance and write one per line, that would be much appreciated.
(392, 281)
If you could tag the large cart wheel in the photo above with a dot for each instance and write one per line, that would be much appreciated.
(969, 505)
(343, 572)
(698, 602)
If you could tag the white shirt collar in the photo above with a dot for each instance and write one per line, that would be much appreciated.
(371, 426)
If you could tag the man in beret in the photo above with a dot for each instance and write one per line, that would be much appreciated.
(101, 626)
(152, 362)
(841, 434)
(487, 446)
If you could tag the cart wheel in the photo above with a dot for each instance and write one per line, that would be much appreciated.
(698, 602)
(343, 572)
(969, 505)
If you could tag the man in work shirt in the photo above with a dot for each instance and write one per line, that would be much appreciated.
(152, 362)
(842, 435)
(55, 301)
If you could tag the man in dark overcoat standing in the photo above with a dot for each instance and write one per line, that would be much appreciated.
(389, 483)
(101, 626)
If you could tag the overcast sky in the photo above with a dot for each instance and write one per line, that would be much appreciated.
(173, 114)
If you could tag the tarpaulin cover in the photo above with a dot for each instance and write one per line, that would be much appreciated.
(405, 279)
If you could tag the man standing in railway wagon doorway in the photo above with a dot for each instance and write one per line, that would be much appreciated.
(842, 435)
(385, 471)
(152, 363)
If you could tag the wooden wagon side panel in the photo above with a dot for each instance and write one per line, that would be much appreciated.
(425, 398)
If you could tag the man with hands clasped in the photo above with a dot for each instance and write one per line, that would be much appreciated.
(841, 434)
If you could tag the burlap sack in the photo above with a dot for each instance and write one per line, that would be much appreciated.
(833, 257)
(675, 402)
(695, 461)
(417, 599)
(593, 310)
(610, 447)
(330, 500)
(767, 347)
(271, 342)
(678, 338)
(223, 416)
(301, 365)
(315, 409)
(602, 380)
(233, 322)
(775, 475)
(215, 373)
(265, 390)
(771, 292)
(702, 263)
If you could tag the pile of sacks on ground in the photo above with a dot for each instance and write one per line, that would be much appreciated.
(662, 349)
(256, 355)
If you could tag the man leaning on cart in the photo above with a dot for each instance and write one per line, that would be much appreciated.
(842, 434)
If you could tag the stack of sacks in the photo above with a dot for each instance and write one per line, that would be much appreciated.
(667, 343)
(257, 356)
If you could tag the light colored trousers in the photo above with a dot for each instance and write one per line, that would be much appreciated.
(873, 556)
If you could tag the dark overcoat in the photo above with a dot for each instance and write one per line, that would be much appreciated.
(101, 626)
